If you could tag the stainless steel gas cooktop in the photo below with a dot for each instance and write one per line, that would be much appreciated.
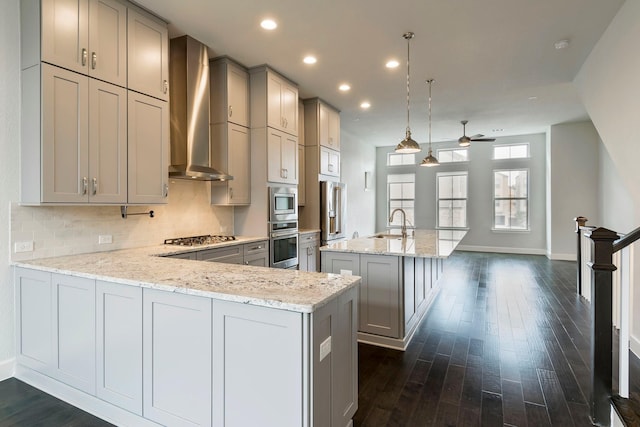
(198, 240)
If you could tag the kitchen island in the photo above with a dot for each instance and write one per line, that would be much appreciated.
(139, 338)
(400, 279)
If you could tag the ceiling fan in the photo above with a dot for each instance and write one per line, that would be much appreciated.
(465, 141)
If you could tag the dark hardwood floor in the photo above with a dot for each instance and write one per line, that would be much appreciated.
(506, 342)
(24, 406)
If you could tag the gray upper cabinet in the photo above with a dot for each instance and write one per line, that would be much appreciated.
(85, 36)
(148, 56)
(229, 92)
(274, 101)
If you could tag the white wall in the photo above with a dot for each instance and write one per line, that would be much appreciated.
(572, 171)
(9, 173)
(615, 205)
(480, 236)
(609, 84)
(358, 157)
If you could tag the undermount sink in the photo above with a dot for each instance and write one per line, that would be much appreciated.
(386, 236)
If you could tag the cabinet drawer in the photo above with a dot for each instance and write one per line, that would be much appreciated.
(256, 247)
(221, 254)
(306, 238)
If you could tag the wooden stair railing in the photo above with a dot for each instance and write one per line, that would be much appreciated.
(605, 244)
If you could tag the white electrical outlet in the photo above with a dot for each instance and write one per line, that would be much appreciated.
(104, 239)
(325, 348)
(346, 272)
(23, 246)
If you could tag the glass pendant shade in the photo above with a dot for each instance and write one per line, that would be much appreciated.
(408, 145)
(430, 160)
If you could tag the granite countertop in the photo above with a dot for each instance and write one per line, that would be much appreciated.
(423, 244)
(291, 290)
(308, 230)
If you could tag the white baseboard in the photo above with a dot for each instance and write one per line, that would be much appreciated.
(80, 399)
(7, 368)
(634, 345)
(561, 257)
(502, 250)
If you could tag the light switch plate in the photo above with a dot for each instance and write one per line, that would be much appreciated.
(23, 246)
(325, 348)
(104, 239)
(346, 272)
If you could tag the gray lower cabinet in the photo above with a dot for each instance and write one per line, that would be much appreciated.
(119, 345)
(228, 254)
(380, 295)
(177, 358)
(256, 253)
(309, 251)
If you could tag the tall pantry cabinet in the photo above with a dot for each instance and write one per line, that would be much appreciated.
(76, 117)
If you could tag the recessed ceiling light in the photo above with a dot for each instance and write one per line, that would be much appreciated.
(392, 64)
(561, 44)
(344, 87)
(532, 98)
(309, 59)
(365, 105)
(269, 24)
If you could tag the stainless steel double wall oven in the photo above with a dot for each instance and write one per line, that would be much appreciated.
(283, 227)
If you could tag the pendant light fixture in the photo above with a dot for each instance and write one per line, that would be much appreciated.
(408, 145)
(430, 160)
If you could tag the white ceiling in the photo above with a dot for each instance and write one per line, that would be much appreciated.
(488, 58)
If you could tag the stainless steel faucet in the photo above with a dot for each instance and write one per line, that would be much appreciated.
(404, 221)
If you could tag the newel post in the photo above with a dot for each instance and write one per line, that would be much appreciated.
(602, 269)
(581, 221)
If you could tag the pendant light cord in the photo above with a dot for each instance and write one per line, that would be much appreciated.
(408, 36)
(430, 81)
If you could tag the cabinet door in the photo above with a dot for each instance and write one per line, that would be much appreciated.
(329, 162)
(148, 149)
(108, 41)
(340, 263)
(345, 392)
(258, 356)
(239, 165)
(107, 143)
(303, 258)
(323, 125)
(238, 94)
(65, 34)
(312, 257)
(302, 190)
(177, 358)
(148, 56)
(289, 104)
(289, 158)
(380, 295)
(34, 320)
(334, 130)
(74, 314)
(65, 136)
(119, 345)
(274, 101)
(257, 260)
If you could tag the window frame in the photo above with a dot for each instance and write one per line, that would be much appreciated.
(452, 199)
(526, 199)
(510, 145)
(465, 149)
(411, 218)
(402, 155)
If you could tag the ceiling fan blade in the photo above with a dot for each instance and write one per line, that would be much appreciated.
(483, 139)
(478, 135)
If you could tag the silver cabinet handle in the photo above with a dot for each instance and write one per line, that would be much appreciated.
(246, 263)
(165, 191)
(330, 167)
(84, 183)
(231, 193)
(230, 110)
(84, 57)
(94, 60)
(94, 184)
(330, 141)
(165, 86)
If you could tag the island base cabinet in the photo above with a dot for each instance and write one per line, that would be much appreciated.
(177, 358)
(253, 343)
(380, 295)
(119, 345)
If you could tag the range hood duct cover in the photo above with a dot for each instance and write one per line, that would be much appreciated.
(189, 111)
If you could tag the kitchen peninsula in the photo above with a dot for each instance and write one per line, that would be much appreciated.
(139, 338)
(400, 278)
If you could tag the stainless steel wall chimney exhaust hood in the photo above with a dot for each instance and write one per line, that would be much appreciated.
(189, 111)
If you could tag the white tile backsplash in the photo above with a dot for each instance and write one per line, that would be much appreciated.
(67, 230)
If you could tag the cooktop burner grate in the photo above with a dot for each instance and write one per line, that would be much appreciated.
(198, 240)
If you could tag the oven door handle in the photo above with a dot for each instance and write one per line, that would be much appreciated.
(280, 234)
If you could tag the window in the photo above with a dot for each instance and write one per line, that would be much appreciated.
(400, 159)
(401, 194)
(511, 151)
(452, 199)
(511, 199)
(452, 155)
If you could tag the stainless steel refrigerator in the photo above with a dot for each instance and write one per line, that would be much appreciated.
(333, 210)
